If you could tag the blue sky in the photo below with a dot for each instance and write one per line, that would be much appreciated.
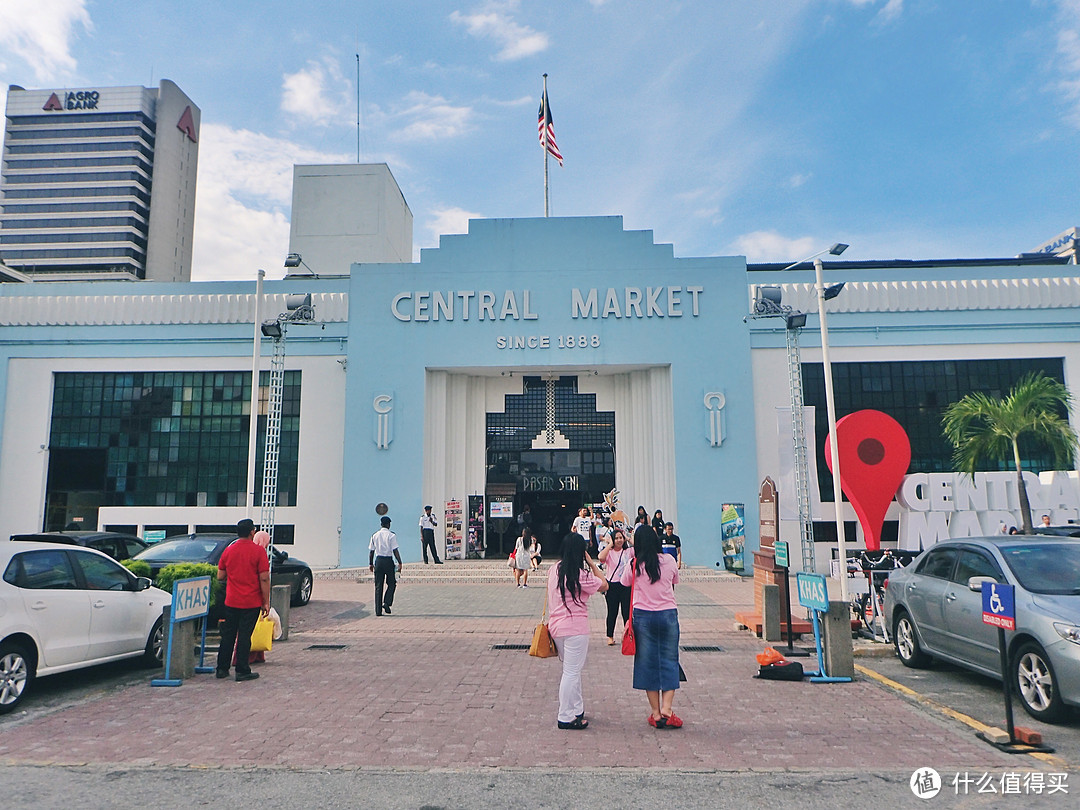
(907, 128)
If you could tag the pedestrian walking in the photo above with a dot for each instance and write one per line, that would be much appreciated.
(427, 535)
(658, 522)
(655, 618)
(570, 584)
(382, 551)
(245, 570)
(670, 543)
(616, 556)
(522, 561)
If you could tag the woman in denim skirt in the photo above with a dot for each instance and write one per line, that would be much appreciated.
(655, 619)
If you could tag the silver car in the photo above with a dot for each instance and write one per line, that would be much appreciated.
(935, 609)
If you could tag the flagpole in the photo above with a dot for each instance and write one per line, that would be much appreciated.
(546, 189)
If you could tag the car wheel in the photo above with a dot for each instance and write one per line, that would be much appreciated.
(154, 654)
(907, 643)
(1035, 683)
(16, 674)
(303, 590)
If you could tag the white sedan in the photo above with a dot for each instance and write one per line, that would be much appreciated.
(66, 607)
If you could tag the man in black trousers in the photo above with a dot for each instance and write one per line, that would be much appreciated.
(245, 570)
(427, 535)
(384, 544)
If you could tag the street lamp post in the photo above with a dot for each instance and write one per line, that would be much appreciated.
(823, 295)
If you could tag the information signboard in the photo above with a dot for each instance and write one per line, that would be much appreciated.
(999, 607)
(813, 593)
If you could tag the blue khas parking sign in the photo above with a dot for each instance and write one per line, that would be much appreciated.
(813, 593)
(999, 608)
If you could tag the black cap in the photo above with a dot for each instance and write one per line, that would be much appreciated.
(386, 521)
(245, 527)
(427, 508)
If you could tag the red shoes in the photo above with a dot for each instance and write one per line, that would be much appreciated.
(671, 721)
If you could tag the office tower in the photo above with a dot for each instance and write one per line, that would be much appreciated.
(99, 183)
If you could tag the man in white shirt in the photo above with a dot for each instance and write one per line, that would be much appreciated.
(427, 535)
(384, 544)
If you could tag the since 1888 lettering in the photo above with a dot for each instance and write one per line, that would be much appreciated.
(547, 341)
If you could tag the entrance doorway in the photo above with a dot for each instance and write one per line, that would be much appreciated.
(555, 452)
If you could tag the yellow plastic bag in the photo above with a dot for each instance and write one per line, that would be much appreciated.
(262, 637)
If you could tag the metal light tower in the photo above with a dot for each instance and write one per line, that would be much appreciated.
(299, 309)
(767, 305)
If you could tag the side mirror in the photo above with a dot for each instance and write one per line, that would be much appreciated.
(976, 583)
(284, 555)
(142, 583)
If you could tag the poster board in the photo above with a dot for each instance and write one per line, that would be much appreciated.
(733, 534)
(452, 525)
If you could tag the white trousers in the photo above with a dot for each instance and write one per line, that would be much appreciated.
(572, 652)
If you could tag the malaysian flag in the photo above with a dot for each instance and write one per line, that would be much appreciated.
(546, 128)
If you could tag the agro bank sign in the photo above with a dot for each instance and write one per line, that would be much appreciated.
(940, 506)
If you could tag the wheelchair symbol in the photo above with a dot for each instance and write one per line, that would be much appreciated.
(995, 601)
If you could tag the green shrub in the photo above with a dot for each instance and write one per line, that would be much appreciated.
(139, 568)
(170, 573)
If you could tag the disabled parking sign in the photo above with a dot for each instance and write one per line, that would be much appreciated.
(999, 608)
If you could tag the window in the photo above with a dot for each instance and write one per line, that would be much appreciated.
(166, 439)
(916, 394)
(45, 570)
(938, 563)
(102, 574)
(976, 564)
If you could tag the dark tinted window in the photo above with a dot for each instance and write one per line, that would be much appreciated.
(102, 574)
(132, 547)
(938, 563)
(47, 569)
(976, 564)
(1046, 566)
(188, 550)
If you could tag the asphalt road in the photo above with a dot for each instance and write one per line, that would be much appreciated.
(147, 788)
(975, 696)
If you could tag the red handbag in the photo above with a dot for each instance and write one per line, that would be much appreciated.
(629, 645)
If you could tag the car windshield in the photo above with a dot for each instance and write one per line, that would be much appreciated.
(172, 550)
(1046, 567)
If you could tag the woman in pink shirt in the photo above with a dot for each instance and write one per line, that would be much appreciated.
(570, 584)
(655, 619)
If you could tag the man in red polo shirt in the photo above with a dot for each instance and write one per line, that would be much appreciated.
(245, 570)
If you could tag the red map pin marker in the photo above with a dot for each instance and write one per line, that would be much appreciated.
(874, 456)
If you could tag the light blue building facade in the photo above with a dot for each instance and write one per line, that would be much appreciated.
(529, 362)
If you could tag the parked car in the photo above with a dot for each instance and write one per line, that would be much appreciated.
(207, 548)
(935, 609)
(116, 545)
(1071, 530)
(65, 607)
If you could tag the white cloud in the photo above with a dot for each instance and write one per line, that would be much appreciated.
(890, 12)
(306, 93)
(797, 180)
(242, 202)
(494, 21)
(769, 246)
(431, 117)
(39, 32)
(449, 220)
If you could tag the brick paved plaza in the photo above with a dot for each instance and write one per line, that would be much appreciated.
(424, 689)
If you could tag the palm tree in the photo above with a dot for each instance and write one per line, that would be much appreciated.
(982, 428)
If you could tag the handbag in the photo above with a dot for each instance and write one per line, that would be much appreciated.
(542, 646)
(629, 644)
(262, 637)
